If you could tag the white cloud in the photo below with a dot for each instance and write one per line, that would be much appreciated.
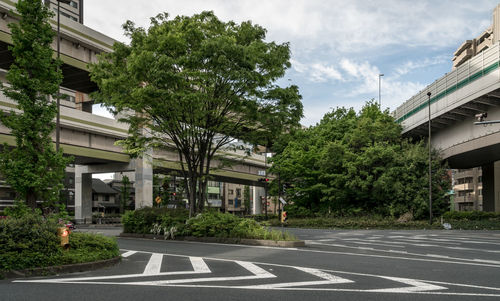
(426, 62)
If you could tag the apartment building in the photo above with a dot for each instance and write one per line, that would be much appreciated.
(476, 46)
(468, 188)
(72, 10)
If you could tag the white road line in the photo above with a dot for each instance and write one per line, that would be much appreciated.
(199, 265)
(129, 253)
(416, 286)
(464, 260)
(154, 265)
(258, 273)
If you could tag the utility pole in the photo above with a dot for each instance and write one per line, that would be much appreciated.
(430, 161)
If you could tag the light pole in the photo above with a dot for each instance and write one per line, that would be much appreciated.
(379, 89)
(58, 122)
(430, 161)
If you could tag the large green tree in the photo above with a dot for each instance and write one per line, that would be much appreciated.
(34, 169)
(359, 163)
(195, 84)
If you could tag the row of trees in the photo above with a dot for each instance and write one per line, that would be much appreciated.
(196, 84)
(359, 163)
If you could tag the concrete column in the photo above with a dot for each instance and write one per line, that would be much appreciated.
(257, 204)
(491, 187)
(143, 181)
(83, 195)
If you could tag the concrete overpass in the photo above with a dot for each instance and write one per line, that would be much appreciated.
(456, 98)
(91, 138)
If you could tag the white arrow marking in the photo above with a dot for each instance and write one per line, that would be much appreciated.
(416, 286)
(329, 279)
(154, 265)
(129, 253)
(199, 267)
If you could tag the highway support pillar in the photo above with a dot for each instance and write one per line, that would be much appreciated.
(144, 181)
(83, 195)
(491, 186)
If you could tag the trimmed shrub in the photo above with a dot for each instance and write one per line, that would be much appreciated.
(470, 215)
(143, 220)
(28, 241)
(31, 241)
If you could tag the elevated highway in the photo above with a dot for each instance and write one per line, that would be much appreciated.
(472, 88)
(91, 139)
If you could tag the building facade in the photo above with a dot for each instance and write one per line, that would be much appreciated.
(73, 10)
(468, 189)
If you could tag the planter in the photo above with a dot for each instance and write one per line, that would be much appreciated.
(242, 241)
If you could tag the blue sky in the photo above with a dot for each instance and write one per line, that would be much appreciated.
(338, 47)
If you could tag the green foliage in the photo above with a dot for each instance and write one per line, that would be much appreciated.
(34, 169)
(225, 225)
(470, 215)
(86, 247)
(197, 82)
(18, 210)
(142, 220)
(207, 224)
(31, 241)
(28, 242)
(358, 222)
(351, 164)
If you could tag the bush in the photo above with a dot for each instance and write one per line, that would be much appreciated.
(28, 241)
(216, 224)
(470, 215)
(85, 247)
(143, 220)
(31, 241)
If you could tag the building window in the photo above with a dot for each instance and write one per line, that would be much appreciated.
(73, 4)
(230, 202)
(480, 179)
(238, 192)
(480, 192)
(230, 192)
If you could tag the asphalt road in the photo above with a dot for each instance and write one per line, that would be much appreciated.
(335, 265)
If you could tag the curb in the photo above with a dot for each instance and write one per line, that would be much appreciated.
(241, 241)
(68, 268)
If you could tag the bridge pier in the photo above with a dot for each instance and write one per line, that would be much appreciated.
(491, 186)
(83, 195)
(83, 184)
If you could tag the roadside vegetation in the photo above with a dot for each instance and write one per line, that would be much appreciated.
(358, 164)
(172, 223)
(29, 240)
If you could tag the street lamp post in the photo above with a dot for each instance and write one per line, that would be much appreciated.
(58, 122)
(379, 90)
(430, 161)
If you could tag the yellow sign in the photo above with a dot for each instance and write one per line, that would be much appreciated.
(158, 200)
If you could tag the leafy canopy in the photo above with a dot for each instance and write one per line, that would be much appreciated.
(34, 169)
(195, 84)
(358, 163)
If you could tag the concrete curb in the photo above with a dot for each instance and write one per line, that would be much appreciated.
(68, 268)
(242, 241)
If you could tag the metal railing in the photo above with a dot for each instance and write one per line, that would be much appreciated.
(475, 68)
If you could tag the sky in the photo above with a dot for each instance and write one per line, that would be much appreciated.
(339, 48)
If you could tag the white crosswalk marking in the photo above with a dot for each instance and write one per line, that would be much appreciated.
(199, 265)
(129, 253)
(154, 265)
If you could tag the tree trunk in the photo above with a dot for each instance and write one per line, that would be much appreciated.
(31, 199)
